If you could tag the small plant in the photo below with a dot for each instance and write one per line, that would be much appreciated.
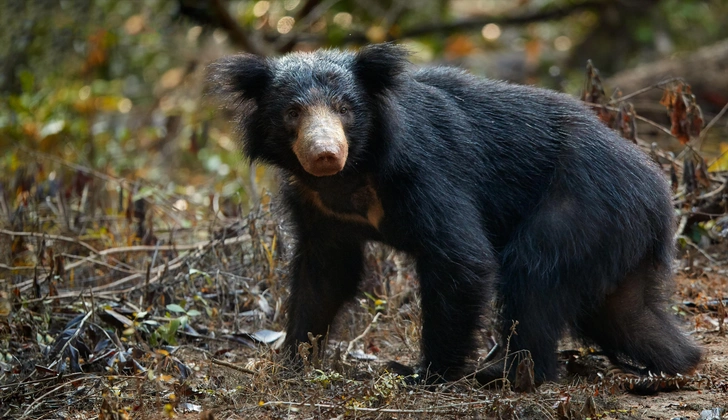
(168, 332)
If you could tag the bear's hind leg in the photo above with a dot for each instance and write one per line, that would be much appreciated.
(632, 326)
(542, 286)
(532, 320)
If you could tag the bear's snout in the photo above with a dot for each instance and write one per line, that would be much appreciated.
(321, 145)
(327, 163)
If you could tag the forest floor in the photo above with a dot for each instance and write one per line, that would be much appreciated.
(127, 320)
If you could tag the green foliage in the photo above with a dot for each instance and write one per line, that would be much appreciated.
(683, 17)
(326, 379)
(374, 304)
(168, 332)
(101, 84)
(116, 84)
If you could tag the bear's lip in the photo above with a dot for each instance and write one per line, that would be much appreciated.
(326, 164)
(324, 172)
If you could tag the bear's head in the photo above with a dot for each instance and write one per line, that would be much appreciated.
(309, 113)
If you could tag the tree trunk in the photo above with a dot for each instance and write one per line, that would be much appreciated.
(706, 70)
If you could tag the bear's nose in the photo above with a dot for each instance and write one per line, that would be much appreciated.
(321, 145)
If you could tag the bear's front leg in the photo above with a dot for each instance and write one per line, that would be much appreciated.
(325, 273)
(454, 293)
(456, 267)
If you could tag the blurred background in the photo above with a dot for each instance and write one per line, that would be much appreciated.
(117, 86)
(128, 212)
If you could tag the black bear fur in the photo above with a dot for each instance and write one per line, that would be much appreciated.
(489, 186)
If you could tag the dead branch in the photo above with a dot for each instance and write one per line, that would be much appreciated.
(440, 409)
(232, 366)
(639, 117)
(658, 85)
(712, 122)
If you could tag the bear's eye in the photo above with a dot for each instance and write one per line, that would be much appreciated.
(343, 110)
(292, 113)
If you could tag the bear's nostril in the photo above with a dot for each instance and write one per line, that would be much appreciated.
(326, 157)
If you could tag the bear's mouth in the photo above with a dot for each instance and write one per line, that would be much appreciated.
(321, 146)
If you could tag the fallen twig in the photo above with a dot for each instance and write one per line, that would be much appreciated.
(363, 334)
(233, 366)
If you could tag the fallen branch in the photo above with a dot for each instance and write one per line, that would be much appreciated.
(440, 409)
(233, 366)
(690, 243)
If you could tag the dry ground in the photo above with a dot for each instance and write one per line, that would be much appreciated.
(216, 366)
(116, 304)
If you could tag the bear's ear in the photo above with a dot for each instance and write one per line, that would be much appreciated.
(377, 66)
(240, 77)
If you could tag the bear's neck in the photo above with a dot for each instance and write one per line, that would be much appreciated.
(349, 198)
(334, 187)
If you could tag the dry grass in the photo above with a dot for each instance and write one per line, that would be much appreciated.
(116, 304)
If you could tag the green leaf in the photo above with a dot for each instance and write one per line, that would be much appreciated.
(154, 339)
(173, 307)
(173, 326)
(196, 271)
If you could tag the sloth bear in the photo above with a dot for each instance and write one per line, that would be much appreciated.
(492, 188)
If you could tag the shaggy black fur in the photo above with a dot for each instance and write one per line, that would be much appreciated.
(489, 186)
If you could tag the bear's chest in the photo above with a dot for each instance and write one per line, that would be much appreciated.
(358, 204)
